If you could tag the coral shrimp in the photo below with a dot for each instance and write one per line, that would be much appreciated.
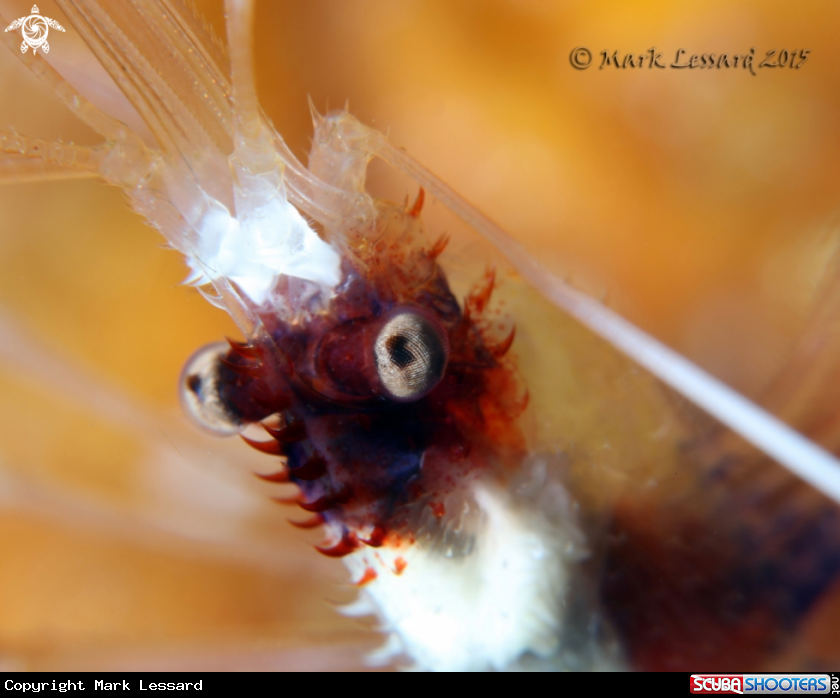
(531, 494)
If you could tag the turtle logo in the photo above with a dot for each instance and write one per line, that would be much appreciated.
(35, 28)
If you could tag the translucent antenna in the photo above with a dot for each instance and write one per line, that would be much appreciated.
(266, 218)
(240, 19)
(177, 89)
(66, 160)
(22, 155)
(19, 169)
(99, 121)
(813, 464)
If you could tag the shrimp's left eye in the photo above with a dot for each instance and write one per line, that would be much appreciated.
(411, 353)
(401, 355)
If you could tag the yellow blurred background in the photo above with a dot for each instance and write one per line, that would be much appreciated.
(700, 203)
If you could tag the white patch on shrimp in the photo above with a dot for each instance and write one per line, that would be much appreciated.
(482, 607)
(272, 240)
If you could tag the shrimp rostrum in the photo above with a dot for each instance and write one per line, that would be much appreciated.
(401, 411)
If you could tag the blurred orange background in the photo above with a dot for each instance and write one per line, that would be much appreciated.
(700, 203)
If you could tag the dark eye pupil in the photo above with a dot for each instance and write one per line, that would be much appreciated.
(194, 384)
(399, 353)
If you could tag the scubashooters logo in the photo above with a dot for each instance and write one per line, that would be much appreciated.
(35, 29)
(789, 684)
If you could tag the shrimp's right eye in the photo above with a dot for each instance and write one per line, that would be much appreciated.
(200, 390)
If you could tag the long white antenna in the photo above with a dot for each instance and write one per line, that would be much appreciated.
(798, 454)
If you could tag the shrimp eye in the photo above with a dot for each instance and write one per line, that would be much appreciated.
(199, 388)
(411, 352)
